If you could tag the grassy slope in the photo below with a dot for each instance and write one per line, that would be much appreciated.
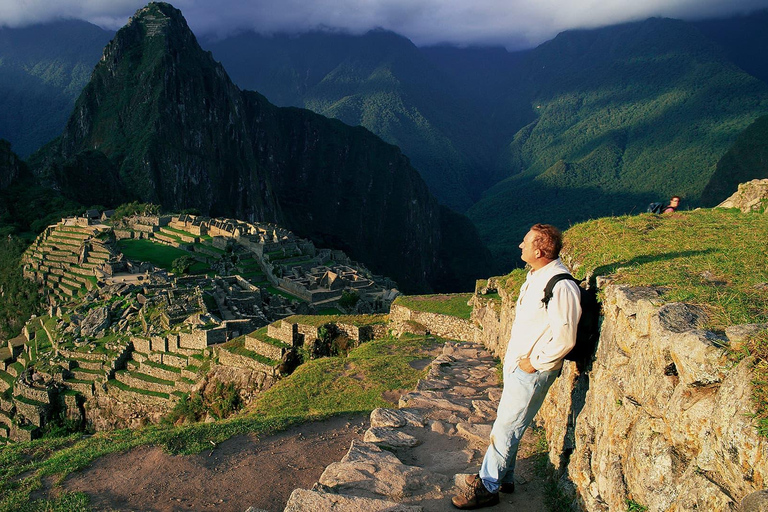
(716, 258)
(318, 389)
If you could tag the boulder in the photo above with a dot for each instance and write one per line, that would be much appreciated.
(750, 196)
(96, 322)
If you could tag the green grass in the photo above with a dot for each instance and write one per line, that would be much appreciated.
(149, 378)
(157, 254)
(443, 304)
(328, 311)
(7, 377)
(757, 347)
(237, 346)
(179, 231)
(318, 389)
(144, 250)
(714, 258)
(125, 387)
(261, 335)
(277, 291)
(162, 366)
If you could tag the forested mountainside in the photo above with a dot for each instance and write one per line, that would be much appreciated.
(381, 81)
(746, 160)
(43, 68)
(160, 121)
(626, 115)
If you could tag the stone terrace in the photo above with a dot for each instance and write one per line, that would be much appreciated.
(67, 257)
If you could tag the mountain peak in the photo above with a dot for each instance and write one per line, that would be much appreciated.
(157, 16)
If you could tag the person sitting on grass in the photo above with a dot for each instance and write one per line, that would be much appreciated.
(673, 204)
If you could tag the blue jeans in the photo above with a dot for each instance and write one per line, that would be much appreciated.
(521, 399)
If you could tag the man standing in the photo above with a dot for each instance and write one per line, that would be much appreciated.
(541, 336)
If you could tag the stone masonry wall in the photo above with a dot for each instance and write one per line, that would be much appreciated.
(662, 418)
(440, 325)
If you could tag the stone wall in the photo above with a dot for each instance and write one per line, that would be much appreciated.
(403, 319)
(227, 358)
(287, 332)
(661, 418)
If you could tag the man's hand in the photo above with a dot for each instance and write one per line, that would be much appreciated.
(525, 365)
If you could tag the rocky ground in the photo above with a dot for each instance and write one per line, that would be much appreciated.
(415, 457)
(407, 459)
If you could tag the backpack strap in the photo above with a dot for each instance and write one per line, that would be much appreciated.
(548, 290)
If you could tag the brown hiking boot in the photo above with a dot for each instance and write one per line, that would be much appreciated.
(506, 488)
(475, 495)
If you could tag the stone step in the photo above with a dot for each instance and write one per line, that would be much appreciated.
(140, 380)
(24, 433)
(173, 359)
(141, 394)
(190, 372)
(15, 369)
(160, 370)
(86, 374)
(89, 364)
(84, 387)
(5, 419)
(32, 410)
(6, 381)
(34, 394)
(69, 281)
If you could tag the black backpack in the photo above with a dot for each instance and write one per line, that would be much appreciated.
(588, 330)
(655, 208)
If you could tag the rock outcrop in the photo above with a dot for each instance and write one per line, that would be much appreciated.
(751, 196)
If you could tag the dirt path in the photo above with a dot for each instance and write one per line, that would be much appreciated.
(241, 472)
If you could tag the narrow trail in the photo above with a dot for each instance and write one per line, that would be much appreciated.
(415, 457)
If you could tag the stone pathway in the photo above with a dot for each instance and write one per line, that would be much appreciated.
(414, 458)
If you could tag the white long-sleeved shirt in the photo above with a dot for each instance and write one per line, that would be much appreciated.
(544, 334)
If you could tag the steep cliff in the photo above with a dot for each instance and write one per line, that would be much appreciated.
(160, 121)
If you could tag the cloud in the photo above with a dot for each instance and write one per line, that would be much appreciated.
(513, 23)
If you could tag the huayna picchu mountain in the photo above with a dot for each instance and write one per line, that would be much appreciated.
(160, 121)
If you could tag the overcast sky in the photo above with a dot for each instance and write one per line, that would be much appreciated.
(512, 23)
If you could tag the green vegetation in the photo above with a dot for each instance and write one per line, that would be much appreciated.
(445, 304)
(633, 506)
(218, 400)
(163, 256)
(757, 347)
(282, 293)
(713, 258)
(744, 161)
(319, 389)
(625, 116)
(20, 298)
(261, 335)
(135, 208)
(237, 346)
